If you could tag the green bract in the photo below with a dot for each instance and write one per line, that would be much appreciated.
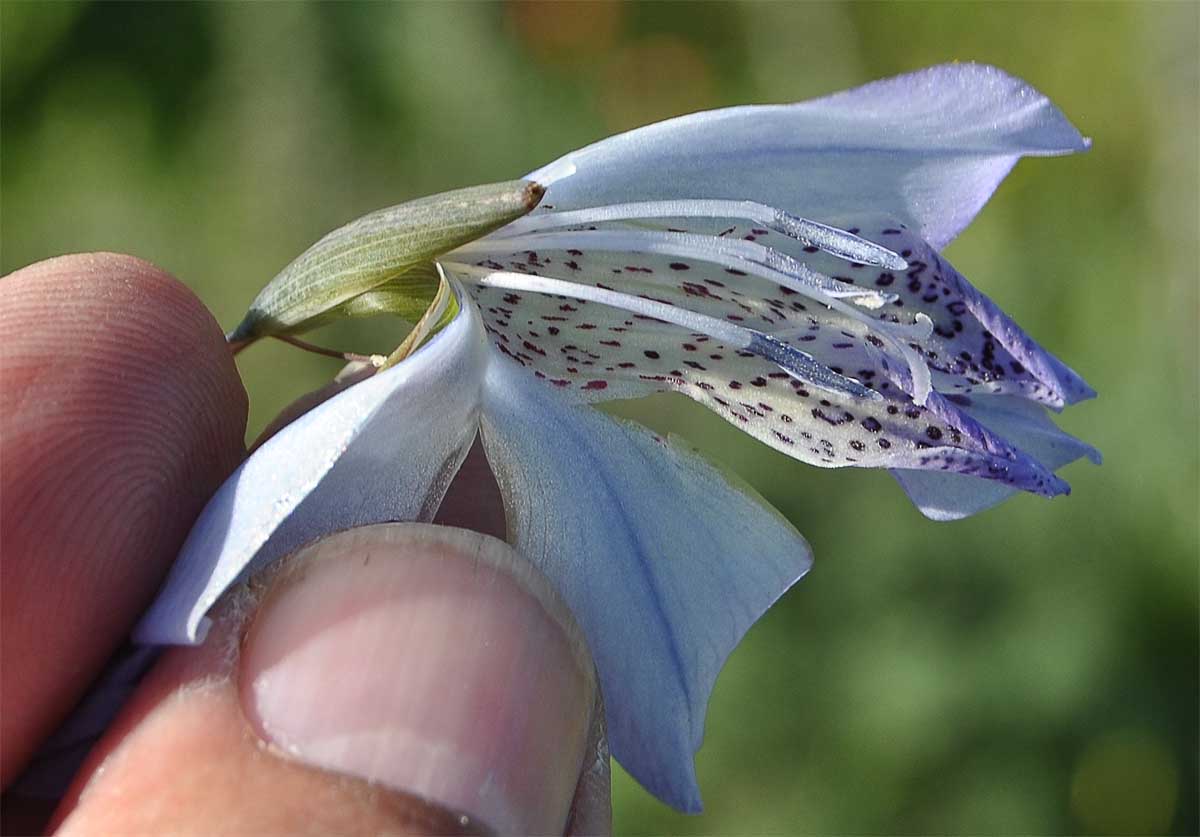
(380, 263)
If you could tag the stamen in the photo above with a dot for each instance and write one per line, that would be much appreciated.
(748, 256)
(917, 332)
(921, 379)
(798, 364)
(832, 240)
(424, 327)
(348, 357)
(757, 259)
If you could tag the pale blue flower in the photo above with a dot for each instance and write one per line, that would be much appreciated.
(676, 257)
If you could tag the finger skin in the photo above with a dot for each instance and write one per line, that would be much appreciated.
(184, 758)
(181, 760)
(121, 413)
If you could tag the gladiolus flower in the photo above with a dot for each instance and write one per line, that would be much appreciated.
(778, 264)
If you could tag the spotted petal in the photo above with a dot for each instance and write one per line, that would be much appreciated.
(951, 496)
(927, 148)
(385, 449)
(596, 350)
(664, 562)
(974, 346)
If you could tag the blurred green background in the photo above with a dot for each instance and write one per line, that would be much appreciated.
(1033, 670)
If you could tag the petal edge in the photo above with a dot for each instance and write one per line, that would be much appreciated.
(664, 562)
(339, 465)
(927, 147)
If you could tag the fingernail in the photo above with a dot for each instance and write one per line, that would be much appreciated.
(431, 660)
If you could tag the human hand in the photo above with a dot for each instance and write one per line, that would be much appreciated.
(391, 678)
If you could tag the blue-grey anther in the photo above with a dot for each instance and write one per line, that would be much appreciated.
(836, 241)
(803, 366)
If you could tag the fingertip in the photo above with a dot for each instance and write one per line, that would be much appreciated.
(87, 328)
(122, 412)
(401, 678)
(431, 660)
(67, 316)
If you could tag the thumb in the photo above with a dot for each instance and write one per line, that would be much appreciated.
(397, 677)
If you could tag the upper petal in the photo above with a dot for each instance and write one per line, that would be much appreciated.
(928, 148)
(664, 562)
(383, 450)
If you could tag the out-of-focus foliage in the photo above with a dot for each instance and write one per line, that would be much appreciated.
(1033, 670)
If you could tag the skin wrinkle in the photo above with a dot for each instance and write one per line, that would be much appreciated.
(141, 468)
(185, 718)
(122, 413)
(223, 772)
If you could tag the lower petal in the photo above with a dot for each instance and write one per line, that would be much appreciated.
(382, 450)
(949, 496)
(664, 561)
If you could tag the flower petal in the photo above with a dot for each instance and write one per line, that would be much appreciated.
(928, 148)
(952, 496)
(382, 450)
(974, 348)
(664, 562)
(594, 352)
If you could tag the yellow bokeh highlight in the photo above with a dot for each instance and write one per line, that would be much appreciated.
(566, 33)
(653, 79)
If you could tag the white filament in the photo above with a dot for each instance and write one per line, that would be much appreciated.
(832, 240)
(764, 262)
(795, 362)
(738, 254)
(747, 256)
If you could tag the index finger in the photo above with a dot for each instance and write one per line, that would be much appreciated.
(122, 411)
